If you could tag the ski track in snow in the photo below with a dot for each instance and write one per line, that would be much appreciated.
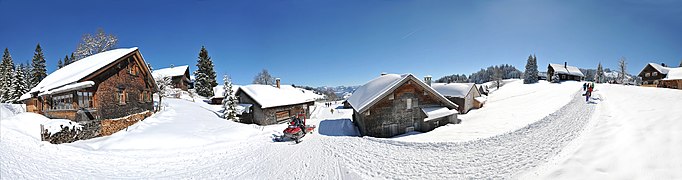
(317, 157)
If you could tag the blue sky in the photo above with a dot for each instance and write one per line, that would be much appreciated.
(349, 42)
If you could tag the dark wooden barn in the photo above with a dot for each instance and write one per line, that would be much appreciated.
(564, 72)
(394, 104)
(179, 76)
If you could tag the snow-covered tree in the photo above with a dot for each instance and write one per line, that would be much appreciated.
(599, 76)
(38, 70)
(6, 77)
(93, 44)
(230, 101)
(555, 78)
(531, 74)
(264, 78)
(205, 75)
(19, 86)
(622, 65)
(27, 75)
(70, 59)
(680, 63)
(165, 88)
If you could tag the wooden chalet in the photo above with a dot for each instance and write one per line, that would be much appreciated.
(652, 74)
(266, 104)
(107, 85)
(394, 104)
(564, 72)
(465, 95)
(179, 76)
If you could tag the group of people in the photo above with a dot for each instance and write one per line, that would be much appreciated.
(328, 104)
(588, 87)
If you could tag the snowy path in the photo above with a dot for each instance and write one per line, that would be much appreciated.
(497, 157)
(330, 153)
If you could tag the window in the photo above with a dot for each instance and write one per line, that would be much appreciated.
(367, 113)
(85, 100)
(654, 74)
(122, 97)
(140, 97)
(647, 74)
(409, 103)
(391, 96)
(62, 102)
(132, 70)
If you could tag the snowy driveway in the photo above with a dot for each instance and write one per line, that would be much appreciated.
(324, 155)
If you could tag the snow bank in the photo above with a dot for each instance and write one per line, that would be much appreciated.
(25, 123)
(8, 110)
(513, 106)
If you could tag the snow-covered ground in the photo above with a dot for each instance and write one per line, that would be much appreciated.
(635, 134)
(624, 132)
(513, 106)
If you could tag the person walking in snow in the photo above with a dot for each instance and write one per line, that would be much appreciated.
(588, 93)
(332, 111)
(584, 86)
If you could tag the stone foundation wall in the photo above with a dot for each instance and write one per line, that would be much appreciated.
(111, 126)
(92, 129)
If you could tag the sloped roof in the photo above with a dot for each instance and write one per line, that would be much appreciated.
(658, 67)
(674, 74)
(371, 92)
(453, 89)
(80, 69)
(269, 96)
(570, 70)
(171, 71)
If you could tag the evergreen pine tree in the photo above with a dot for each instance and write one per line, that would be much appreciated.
(71, 59)
(531, 74)
(6, 77)
(680, 63)
(205, 75)
(39, 71)
(230, 101)
(599, 76)
(19, 86)
(27, 75)
(60, 64)
(67, 61)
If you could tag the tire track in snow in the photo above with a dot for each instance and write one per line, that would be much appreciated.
(496, 157)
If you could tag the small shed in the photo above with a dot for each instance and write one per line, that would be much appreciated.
(393, 104)
(179, 76)
(463, 94)
(274, 104)
(564, 72)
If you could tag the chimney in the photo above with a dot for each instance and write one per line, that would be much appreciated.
(383, 73)
(565, 65)
(172, 65)
(277, 82)
(427, 80)
(663, 64)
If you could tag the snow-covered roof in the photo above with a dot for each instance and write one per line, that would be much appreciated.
(570, 70)
(674, 74)
(437, 112)
(374, 90)
(269, 96)
(658, 67)
(219, 91)
(481, 99)
(453, 89)
(72, 86)
(78, 70)
(171, 72)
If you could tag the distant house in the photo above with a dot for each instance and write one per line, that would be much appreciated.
(653, 73)
(393, 104)
(274, 104)
(107, 85)
(564, 72)
(465, 95)
(179, 76)
(483, 89)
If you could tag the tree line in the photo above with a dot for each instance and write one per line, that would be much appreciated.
(504, 71)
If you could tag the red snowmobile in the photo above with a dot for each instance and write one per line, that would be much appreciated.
(295, 130)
